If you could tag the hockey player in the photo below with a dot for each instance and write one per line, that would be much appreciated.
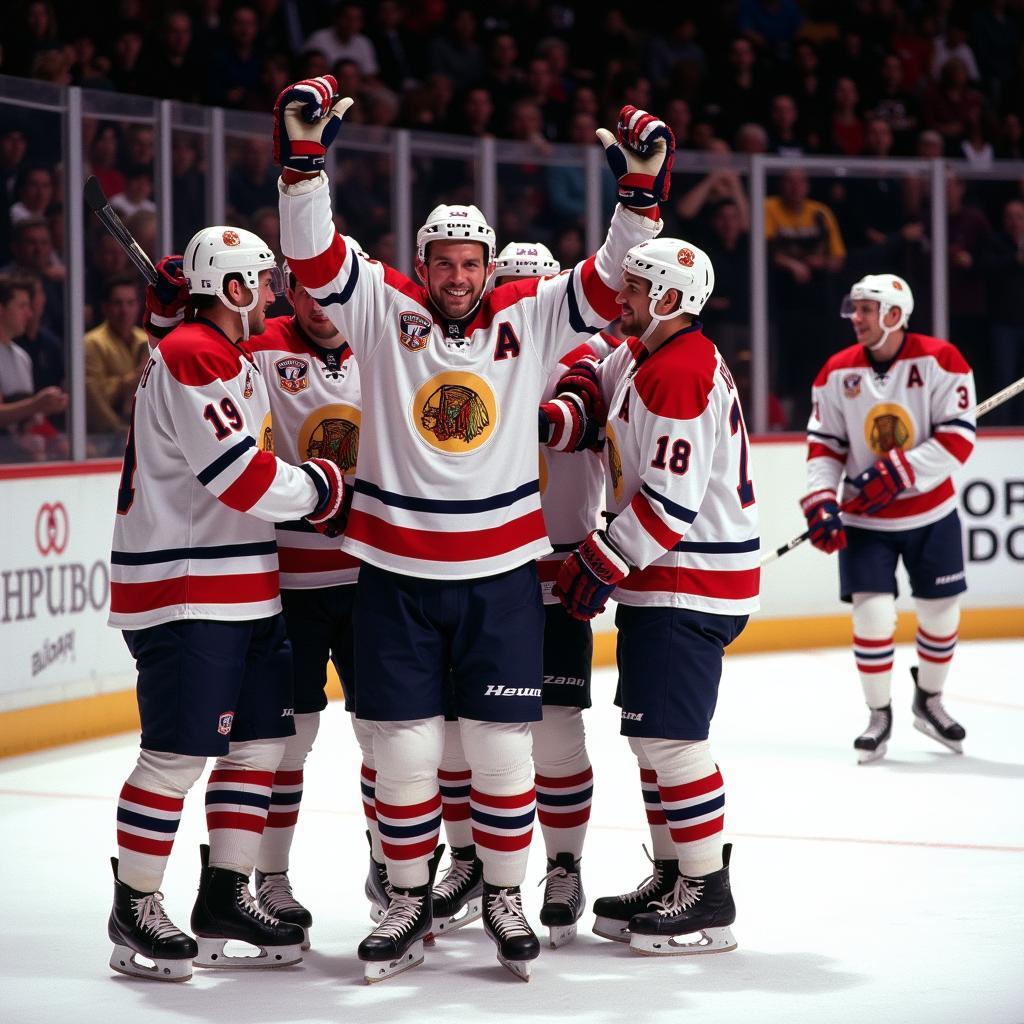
(313, 385)
(680, 554)
(446, 517)
(194, 587)
(894, 413)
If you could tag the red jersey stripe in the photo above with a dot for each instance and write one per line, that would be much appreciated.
(139, 844)
(243, 776)
(859, 642)
(653, 523)
(917, 503)
(688, 790)
(694, 832)
(518, 801)
(449, 776)
(324, 267)
(957, 445)
(502, 842)
(563, 819)
(253, 482)
(817, 450)
(599, 295)
(409, 851)
(287, 778)
(147, 799)
(730, 584)
(235, 820)
(565, 781)
(244, 588)
(314, 559)
(282, 819)
(409, 810)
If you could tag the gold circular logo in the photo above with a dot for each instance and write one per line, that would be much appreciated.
(265, 437)
(332, 432)
(888, 425)
(611, 447)
(455, 412)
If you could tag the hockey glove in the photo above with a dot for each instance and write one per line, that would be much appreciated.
(564, 423)
(167, 299)
(329, 513)
(640, 155)
(588, 576)
(307, 116)
(889, 476)
(581, 380)
(821, 510)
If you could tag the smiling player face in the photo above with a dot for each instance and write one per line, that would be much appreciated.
(455, 274)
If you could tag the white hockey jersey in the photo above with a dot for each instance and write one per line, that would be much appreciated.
(448, 470)
(923, 403)
(198, 459)
(679, 478)
(571, 483)
(314, 400)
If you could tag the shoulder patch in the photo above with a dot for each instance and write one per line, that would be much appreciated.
(677, 381)
(196, 355)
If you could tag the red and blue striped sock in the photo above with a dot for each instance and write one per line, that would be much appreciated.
(563, 809)
(695, 812)
(408, 836)
(237, 804)
(502, 830)
(147, 823)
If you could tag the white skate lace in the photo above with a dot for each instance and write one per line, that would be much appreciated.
(152, 917)
(684, 895)
(249, 905)
(562, 886)
(505, 911)
(401, 915)
(456, 878)
(648, 886)
(276, 892)
(933, 705)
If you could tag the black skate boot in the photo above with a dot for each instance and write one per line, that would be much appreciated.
(873, 742)
(458, 896)
(377, 887)
(564, 899)
(274, 897)
(695, 905)
(139, 927)
(396, 944)
(931, 718)
(225, 911)
(507, 927)
(613, 913)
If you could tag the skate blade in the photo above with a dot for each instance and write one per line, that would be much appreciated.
(520, 968)
(212, 953)
(561, 934)
(921, 725)
(381, 970)
(126, 961)
(470, 912)
(609, 928)
(867, 756)
(712, 940)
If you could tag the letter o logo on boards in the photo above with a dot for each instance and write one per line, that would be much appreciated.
(52, 528)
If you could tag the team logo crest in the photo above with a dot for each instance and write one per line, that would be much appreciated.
(888, 426)
(897, 285)
(332, 432)
(413, 330)
(231, 238)
(247, 391)
(224, 723)
(685, 257)
(851, 385)
(293, 374)
(455, 412)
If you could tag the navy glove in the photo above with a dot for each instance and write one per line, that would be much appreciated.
(588, 576)
(307, 116)
(889, 476)
(821, 511)
(330, 511)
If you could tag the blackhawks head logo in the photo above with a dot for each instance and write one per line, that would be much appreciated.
(888, 426)
(614, 463)
(455, 412)
(332, 432)
(265, 436)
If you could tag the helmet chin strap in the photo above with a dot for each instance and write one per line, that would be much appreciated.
(242, 311)
(886, 331)
(656, 318)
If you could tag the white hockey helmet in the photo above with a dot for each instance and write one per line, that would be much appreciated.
(526, 259)
(889, 291)
(672, 263)
(455, 223)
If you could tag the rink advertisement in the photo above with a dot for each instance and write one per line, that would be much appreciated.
(55, 585)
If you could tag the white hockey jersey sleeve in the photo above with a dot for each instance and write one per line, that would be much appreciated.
(952, 427)
(827, 440)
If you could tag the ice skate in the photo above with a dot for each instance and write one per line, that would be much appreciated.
(274, 897)
(141, 931)
(396, 944)
(696, 905)
(507, 927)
(225, 911)
(931, 718)
(458, 896)
(873, 742)
(613, 913)
(377, 887)
(564, 899)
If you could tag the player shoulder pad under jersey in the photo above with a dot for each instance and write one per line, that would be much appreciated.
(197, 355)
(676, 381)
(279, 334)
(845, 359)
(947, 355)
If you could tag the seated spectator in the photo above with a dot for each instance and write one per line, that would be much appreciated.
(143, 225)
(771, 24)
(894, 103)
(172, 67)
(949, 103)
(1011, 137)
(750, 139)
(188, 188)
(116, 353)
(808, 86)
(456, 50)
(397, 50)
(696, 206)
(976, 145)
(504, 79)
(103, 158)
(953, 43)
(233, 74)
(677, 57)
(127, 72)
(343, 39)
(252, 181)
(104, 259)
(139, 146)
(784, 134)
(1005, 265)
(32, 252)
(25, 433)
(137, 194)
(738, 95)
(478, 113)
(567, 184)
(847, 128)
(33, 192)
(678, 116)
(727, 312)
(540, 84)
(44, 348)
(995, 40)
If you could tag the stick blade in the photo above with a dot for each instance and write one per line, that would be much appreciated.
(94, 195)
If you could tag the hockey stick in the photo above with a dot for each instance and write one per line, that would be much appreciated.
(1010, 391)
(98, 203)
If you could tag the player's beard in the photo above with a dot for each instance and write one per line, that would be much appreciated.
(454, 311)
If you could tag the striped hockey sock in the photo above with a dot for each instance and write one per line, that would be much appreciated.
(874, 663)
(695, 811)
(146, 825)
(408, 835)
(563, 809)
(455, 788)
(502, 830)
(237, 804)
(276, 843)
(934, 654)
(661, 840)
(368, 788)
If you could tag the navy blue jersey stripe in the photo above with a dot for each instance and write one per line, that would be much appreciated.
(829, 437)
(263, 547)
(565, 799)
(958, 423)
(219, 464)
(340, 298)
(237, 796)
(676, 511)
(719, 548)
(297, 526)
(389, 831)
(576, 321)
(499, 821)
(279, 799)
(127, 817)
(459, 506)
(697, 810)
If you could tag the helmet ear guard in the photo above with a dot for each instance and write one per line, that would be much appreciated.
(889, 291)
